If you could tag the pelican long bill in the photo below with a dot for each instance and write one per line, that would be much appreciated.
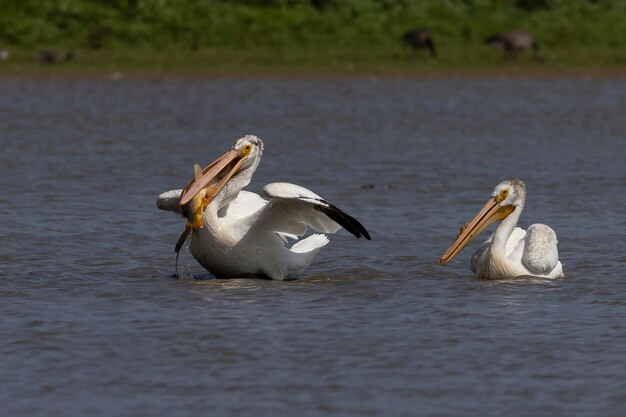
(211, 172)
(489, 214)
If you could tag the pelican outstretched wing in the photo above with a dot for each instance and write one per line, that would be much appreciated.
(291, 209)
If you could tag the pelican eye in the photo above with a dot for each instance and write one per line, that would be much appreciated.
(503, 194)
(245, 151)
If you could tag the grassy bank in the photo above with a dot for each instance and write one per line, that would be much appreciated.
(304, 35)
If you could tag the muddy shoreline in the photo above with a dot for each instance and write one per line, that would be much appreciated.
(52, 73)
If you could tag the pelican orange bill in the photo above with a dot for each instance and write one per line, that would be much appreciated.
(489, 214)
(209, 173)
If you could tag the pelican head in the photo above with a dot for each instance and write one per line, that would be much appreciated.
(506, 197)
(252, 148)
(245, 155)
(512, 193)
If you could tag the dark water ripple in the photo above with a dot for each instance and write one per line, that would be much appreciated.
(93, 323)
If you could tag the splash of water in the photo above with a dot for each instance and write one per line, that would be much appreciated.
(187, 259)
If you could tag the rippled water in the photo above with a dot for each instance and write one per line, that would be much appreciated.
(93, 324)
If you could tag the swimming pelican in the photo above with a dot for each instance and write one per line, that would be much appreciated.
(237, 233)
(510, 251)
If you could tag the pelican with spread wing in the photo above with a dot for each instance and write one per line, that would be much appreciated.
(510, 251)
(237, 233)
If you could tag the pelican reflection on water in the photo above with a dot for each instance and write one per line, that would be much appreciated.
(510, 251)
(237, 233)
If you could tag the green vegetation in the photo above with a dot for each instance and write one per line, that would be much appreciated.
(313, 35)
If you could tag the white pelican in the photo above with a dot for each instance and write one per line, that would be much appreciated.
(510, 251)
(237, 233)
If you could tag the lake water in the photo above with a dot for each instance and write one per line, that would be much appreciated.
(93, 324)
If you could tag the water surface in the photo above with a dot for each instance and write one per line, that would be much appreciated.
(93, 324)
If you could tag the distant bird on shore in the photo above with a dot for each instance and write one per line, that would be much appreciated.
(420, 38)
(4, 54)
(514, 42)
(53, 57)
